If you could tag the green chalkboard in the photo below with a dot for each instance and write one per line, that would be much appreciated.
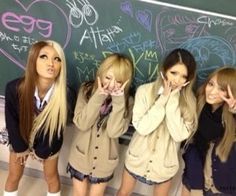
(145, 30)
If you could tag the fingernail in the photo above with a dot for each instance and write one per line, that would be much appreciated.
(162, 75)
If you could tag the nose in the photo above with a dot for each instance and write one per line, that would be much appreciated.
(214, 90)
(50, 61)
(112, 84)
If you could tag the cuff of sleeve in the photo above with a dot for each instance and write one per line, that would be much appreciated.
(162, 100)
(118, 99)
(173, 101)
(99, 98)
(232, 110)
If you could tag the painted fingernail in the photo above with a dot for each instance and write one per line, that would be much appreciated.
(162, 75)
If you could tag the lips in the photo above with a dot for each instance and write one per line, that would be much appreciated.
(211, 97)
(50, 71)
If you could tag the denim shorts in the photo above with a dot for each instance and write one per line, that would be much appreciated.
(143, 179)
(80, 176)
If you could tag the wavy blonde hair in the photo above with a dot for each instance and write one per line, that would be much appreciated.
(52, 119)
(225, 76)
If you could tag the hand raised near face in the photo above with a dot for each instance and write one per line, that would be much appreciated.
(102, 90)
(230, 100)
(180, 87)
(167, 85)
(119, 90)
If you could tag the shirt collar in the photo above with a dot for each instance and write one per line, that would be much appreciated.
(46, 98)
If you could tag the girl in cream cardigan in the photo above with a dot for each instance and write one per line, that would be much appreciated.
(164, 115)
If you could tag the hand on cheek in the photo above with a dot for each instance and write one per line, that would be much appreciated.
(119, 89)
(230, 100)
(167, 85)
(102, 89)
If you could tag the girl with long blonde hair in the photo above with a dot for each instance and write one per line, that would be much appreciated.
(210, 159)
(36, 114)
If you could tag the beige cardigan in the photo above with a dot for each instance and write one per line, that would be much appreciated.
(95, 152)
(153, 150)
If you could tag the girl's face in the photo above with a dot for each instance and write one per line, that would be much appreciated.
(48, 63)
(110, 80)
(213, 91)
(177, 75)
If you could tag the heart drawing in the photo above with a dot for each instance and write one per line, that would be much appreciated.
(30, 22)
(144, 18)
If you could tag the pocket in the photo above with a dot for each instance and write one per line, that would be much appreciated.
(133, 155)
(138, 146)
(171, 159)
(113, 149)
(79, 151)
(109, 165)
(113, 161)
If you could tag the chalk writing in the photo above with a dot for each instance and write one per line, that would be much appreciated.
(133, 40)
(174, 29)
(18, 43)
(210, 53)
(15, 22)
(77, 15)
(209, 22)
(100, 36)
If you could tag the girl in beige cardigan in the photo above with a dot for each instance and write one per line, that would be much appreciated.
(164, 114)
(102, 114)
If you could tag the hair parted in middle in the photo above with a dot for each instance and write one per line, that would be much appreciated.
(53, 118)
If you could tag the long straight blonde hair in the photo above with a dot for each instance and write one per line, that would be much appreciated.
(52, 119)
(225, 76)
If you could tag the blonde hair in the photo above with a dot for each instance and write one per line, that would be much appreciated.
(123, 70)
(225, 76)
(121, 66)
(52, 119)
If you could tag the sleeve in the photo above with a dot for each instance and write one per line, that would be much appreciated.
(118, 123)
(179, 129)
(43, 149)
(71, 99)
(147, 118)
(86, 113)
(12, 119)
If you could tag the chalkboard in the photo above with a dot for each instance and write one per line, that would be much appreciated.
(89, 30)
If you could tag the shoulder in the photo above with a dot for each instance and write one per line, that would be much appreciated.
(12, 86)
(146, 87)
(13, 83)
(86, 87)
